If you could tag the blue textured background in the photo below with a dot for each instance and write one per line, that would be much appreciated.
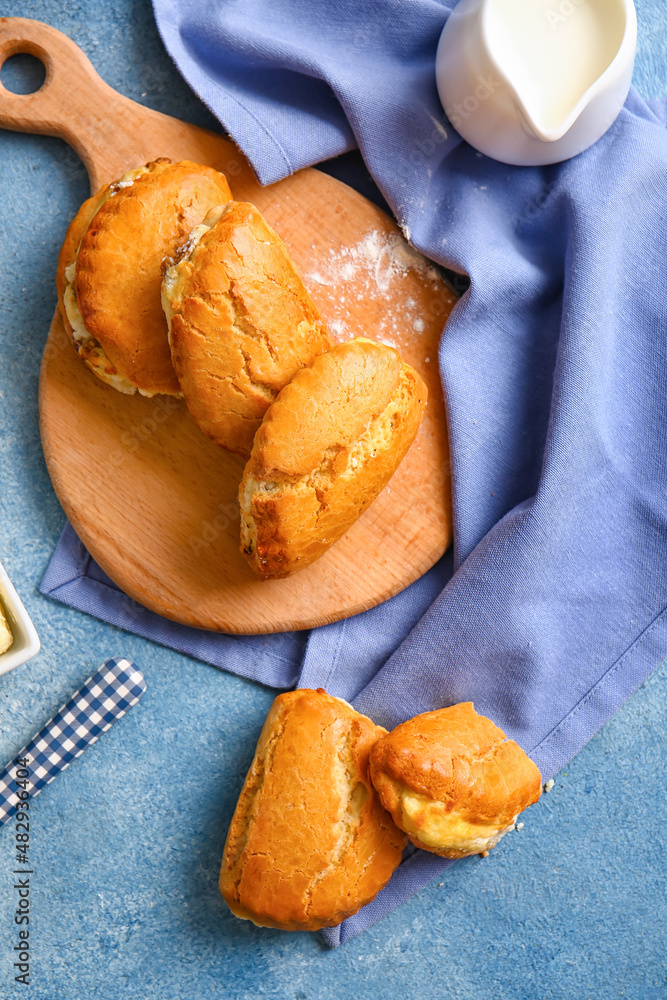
(126, 844)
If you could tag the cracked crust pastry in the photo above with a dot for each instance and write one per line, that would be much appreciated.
(110, 270)
(326, 448)
(241, 323)
(309, 843)
(453, 781)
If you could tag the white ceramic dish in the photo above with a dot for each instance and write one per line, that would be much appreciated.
(26, 641)
(531, 82)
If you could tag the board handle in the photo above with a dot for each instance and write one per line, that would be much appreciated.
(73, 103)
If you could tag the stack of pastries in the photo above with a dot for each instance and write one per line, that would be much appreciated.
(168, 285)
(331, 799)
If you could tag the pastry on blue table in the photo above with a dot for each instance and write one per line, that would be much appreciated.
(309, 843)
(453, 781)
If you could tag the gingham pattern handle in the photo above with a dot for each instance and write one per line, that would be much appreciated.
(103, 699)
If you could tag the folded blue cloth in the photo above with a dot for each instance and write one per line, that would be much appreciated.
(554, 366)
(284, 660)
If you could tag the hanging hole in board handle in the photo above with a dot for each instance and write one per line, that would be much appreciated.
(45, 109)
(22, 73)
(72, 100)
(70, 85)
(11, 98)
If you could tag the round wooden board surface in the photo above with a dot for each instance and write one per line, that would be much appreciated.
(153, 499)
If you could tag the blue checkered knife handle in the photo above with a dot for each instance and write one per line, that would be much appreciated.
(103, 699)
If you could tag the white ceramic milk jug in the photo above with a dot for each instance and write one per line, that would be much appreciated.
(536, 81)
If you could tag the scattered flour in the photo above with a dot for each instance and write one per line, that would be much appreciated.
(382, 256)
(390, 343)
(339, 330)
(379, 278)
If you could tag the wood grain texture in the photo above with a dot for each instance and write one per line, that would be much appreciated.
(153, 500)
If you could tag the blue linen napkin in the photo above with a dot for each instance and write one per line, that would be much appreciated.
(554, 366)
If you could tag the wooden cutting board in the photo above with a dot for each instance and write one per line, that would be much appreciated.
(153, 500)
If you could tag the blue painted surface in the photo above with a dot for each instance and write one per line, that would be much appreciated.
(126, 844)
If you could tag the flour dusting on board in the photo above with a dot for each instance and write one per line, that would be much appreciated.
(365, 272)
(384, 255)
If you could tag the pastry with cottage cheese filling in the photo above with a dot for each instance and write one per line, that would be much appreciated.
(326, 448)
(111, 265)
(453, 781)
(241, 323)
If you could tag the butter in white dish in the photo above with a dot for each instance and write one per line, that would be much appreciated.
(6, 635)
(24, 641)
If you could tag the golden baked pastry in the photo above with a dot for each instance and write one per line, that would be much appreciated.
(6, 637)
(309, 843)
(110, 270)
(241, 323)
(453, 781)
(327, 446)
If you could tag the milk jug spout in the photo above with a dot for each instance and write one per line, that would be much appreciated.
(561, 71)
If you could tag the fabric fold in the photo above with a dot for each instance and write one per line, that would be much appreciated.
(74, 578)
